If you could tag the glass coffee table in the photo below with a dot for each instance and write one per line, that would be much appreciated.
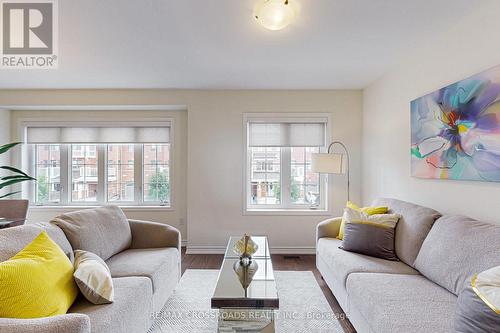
(246, 290)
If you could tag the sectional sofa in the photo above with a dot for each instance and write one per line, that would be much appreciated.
(438, 255)
(145, 272)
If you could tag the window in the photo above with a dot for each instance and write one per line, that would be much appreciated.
(156, 173)
(133, 171)
(119, 182)
(265, 178)
(279, 154)
(120, 175)
(304, 184)
(84, 177)
(47, 171)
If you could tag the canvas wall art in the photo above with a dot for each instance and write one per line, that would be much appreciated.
(455, 131)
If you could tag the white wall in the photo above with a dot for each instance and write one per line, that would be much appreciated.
(4, 138)
(466, 49)
(213, 149)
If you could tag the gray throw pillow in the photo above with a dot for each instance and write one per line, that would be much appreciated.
(478, 305)
(104, 231)
(371, 235)
(93, 278)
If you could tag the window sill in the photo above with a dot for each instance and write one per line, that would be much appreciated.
(288, 212)
(124, 208)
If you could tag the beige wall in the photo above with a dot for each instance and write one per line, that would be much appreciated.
(178, 214)
(214, 195)
(215, 190)
(466, 49)
(4, 132)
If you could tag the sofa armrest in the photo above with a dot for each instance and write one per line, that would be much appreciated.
(71, 322)
(154, 235)
(328, 228)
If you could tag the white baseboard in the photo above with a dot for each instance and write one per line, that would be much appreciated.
(195, 249)
(293, 250)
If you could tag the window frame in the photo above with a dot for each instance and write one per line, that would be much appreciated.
(286, 206)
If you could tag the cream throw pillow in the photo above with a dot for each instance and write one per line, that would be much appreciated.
(487, 286)
(93, 277)
(478, 305)
(377, 220)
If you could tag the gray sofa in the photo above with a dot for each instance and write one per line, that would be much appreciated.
(438, 254)
(144, 276)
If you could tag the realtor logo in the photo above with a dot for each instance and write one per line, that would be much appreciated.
(29, 34)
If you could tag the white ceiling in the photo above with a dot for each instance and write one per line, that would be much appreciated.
(337, 44)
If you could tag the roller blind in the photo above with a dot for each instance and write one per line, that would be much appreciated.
(286, 134)
(96, 134)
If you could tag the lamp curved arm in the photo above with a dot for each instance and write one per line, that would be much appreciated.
(348, 165)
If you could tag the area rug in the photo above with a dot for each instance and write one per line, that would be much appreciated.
(303, 307)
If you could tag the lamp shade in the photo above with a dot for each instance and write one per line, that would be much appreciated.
(328, 163)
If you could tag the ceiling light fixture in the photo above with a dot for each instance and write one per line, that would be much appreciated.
(274, 14)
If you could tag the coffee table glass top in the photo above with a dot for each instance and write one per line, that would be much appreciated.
(246, 284)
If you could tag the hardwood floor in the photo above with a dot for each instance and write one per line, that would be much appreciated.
(280, 263)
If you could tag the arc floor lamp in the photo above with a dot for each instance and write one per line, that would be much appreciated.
(333, 163)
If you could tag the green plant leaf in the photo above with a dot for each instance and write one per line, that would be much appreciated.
(8, 146)
(17, 177)
(12, 182)
(15, 170)
(9, 194)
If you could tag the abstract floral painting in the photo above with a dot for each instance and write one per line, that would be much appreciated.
(455, 131)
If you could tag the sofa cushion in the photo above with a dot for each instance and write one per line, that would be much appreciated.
(13, 240)
(74, 323)
(130, 311)
(413, 226)
(104, 231)
(456, 248)
(155, 264)
(343, 263)
(401, 303)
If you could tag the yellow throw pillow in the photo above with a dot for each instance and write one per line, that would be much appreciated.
(367, 210)
(37, 282)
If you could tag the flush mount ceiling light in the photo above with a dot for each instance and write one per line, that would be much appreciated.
(275, 14)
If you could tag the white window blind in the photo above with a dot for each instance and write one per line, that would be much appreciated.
(98, 134)
(286, 134)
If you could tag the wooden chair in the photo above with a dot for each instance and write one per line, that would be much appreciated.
(14, 210)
